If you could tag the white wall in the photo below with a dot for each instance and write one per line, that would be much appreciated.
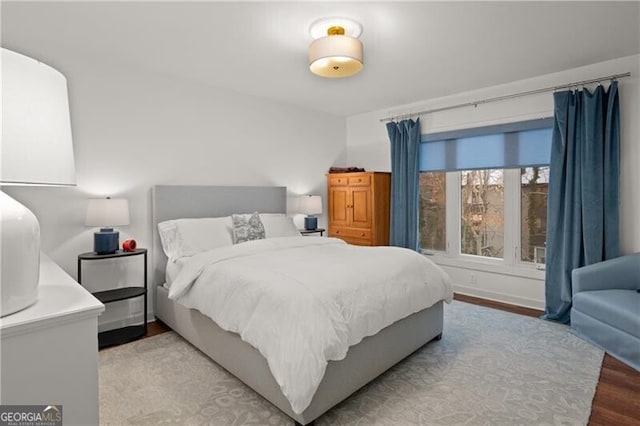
(133, 129)
(368, 146)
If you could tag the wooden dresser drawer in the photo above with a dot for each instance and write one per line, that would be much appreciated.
(337, 180)
(360, 180)
(364, 234)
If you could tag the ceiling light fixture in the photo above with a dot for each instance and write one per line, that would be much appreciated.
(336, 51)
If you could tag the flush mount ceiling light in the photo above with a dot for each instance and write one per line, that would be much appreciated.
(336, 51)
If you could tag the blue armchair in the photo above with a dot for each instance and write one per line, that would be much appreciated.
(606, 307)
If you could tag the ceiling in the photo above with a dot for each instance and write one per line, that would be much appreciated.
(413, 50)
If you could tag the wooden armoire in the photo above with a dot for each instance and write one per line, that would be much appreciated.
(359, 207)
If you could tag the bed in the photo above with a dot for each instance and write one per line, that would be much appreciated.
(363, 362)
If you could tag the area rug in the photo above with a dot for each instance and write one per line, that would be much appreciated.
(490, 368)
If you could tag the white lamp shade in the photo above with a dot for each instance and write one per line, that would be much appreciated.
(107, 212)
(311, 204)
(335, 56)
(36, 143)
(35, 148)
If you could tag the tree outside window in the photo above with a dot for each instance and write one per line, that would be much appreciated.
(433, 211)
(533, 213)
(482, 212)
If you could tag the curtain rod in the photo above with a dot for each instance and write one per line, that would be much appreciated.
(511, 96)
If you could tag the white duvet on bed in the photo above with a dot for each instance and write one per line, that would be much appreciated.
(302, 301)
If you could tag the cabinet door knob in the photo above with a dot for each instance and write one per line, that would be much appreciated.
(360, 180)
(362, 235)
(337, 232)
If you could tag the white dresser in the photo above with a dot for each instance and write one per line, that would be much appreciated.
(49, 351)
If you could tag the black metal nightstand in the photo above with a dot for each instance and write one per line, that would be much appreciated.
(312, 231)
(124, 334)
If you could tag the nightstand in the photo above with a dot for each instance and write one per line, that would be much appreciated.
(312, 231)
(124, 334)
(50, 349)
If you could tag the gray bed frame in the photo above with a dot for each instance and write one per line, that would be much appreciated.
(364, 361)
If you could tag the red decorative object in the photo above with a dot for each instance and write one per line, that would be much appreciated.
(129, 245)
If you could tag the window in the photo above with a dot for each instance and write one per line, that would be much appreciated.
(433, 199)
(483, 192)
(482, 212)
(533, 213)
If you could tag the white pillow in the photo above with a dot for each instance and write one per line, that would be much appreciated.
(278, 226)
(186, 237)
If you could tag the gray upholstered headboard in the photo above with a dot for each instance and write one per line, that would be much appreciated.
(185, 201)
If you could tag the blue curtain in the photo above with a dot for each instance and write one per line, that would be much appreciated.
(582, 216)
(405, 142)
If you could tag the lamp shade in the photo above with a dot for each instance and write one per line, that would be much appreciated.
(107, 212)
(311, 204)
(36, 128)
(335, 56)
(35, 149)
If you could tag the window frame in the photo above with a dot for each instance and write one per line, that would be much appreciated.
(511, 263)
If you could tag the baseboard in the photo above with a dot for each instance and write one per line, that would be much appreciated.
(499, 297)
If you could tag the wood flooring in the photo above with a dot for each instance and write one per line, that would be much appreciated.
(617, 399)
(156, 327)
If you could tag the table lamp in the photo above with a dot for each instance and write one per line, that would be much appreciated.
(36, 149)
(311, 205)
(107, 213)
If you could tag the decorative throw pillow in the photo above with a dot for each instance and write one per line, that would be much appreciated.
(247, 228)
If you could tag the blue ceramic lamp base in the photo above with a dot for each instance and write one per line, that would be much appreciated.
(106, 241)
(310, 223)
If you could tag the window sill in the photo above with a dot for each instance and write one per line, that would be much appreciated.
(494, 266)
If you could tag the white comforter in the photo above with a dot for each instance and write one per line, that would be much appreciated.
(302, 301)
